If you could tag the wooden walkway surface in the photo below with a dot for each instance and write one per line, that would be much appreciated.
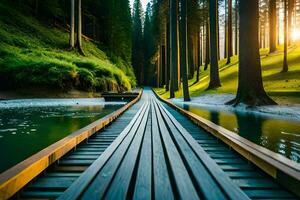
(154, 152)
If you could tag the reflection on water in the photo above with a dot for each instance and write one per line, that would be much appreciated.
(279, 135)
(26, 130)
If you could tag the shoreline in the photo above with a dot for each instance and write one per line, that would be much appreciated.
(33, 93)
(217, 102)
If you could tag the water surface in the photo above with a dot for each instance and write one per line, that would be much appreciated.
(278, 134)
(28, 126)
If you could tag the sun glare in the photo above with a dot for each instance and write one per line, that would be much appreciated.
(296, 34)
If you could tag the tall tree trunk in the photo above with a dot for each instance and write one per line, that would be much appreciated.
(159, 67)
(272, 25)
(199, 47)
(291, 4)
(163, 64)
(183, 50)
(79, 29)
(285, 61)
(218, 35)
(214, 66)
(226, 29)
(278, 22)
(207, 50)
(72, 25)
(229, 45)
(173, 48)
(250, 87)
(236, 27)
(191, 61)
(168, 57)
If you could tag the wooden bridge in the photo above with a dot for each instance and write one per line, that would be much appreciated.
(153, 151)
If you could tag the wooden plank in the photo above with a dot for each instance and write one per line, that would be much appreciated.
(162, 186)
(101, 182)
(183, 183)
(244, 174)
(70, 168)
(204, 181)
(274, 164)
(256, 183)
(230, 161)
(60, 174)
(119, 187)
(268, 194)
(85, 179)
(143, 184)
(53, 183)
(236, 167)
(41, 194)
(76, 162)
(18, 176)
(231, 190)
(82, 157)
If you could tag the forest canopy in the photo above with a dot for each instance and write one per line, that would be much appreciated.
(35, 49)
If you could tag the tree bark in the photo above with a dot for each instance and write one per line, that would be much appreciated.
(199, 47)
(72, 25)
(168, 57)
(236, 27)
(291, 4)
(163, 65)
(173, 48)
(250, 86)
(214, 66)
(183, 50)
(285, 67)
(191, 60)
(79, 29)
(229, 31)
(272, 25)
(226, 29)
(207, 50)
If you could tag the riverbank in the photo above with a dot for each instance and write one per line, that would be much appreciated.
(284, 88)
(36, 53)
(217, 102)
(45, 93)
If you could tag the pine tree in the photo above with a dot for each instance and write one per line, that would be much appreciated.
(137, 41)
(250, 86)
(173, 47)
(72, 24)
(229, 32)
(183, 50)
(272, 25)
(214, 66)
(285, 67)
(147, 43)
(79, 28)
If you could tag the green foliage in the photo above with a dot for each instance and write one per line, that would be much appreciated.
(115, 32)
(137, 41)
(283, 87)
(32, 54)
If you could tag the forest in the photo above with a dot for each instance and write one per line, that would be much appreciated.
(185, 48)
(149, 99)
(63, 45)
(250, 48)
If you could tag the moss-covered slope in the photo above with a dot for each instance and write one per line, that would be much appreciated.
(35, 54)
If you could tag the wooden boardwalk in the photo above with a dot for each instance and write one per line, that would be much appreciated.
(153, 152)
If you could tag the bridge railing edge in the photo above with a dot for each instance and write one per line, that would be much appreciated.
(15, 178)
(283, 170)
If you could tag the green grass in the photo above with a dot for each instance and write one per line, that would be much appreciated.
(283, 87)
(34, 54)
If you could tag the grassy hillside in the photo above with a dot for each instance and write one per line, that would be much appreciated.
(283, 87)
(35, 54)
